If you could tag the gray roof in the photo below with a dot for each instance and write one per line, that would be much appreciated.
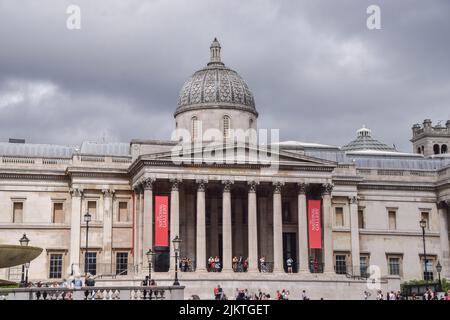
(36, 150)
(106, 149)
(60, 151)
(364, 141)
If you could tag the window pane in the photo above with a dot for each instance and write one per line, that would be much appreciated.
(18, 212)
(56, 261)
(91, 262)
(394, 266)
(121, 263)
(340, 264)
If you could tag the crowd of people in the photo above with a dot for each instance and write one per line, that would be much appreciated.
(214, 264)
(186, 265)
(245, 294)
(240, 264)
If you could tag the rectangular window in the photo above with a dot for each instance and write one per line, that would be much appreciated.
(361, 222)
(341, 264)
(91, 262)
(392, 220)
(394, 266)
(428, 268)
(339, 215)
(123, 212)
(364, 265)
(56, 266)
(58, 213)
(18, 212)
(121, 263)
(92, 209)
(426, 216)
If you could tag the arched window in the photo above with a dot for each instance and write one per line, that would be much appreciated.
(423, 150)
(250, 123)
(436, 149)
(226, 123)
(444, 148)
(419, 150)
(194, 128)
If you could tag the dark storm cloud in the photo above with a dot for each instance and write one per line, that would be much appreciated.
(315, 69)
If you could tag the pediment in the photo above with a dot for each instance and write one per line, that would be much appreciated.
(236, 155)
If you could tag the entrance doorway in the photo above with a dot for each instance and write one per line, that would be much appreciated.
(290, 250)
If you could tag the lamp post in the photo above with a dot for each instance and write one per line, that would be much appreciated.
(423, 225)
(176, 248)
(150, 254)
(439, 269)
(27, 266)
(23, 242)
(87, 219)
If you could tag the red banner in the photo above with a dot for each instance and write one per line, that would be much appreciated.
(134, 222)
(314, 224)
(161, 221)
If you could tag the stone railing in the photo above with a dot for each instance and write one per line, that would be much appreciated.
(64, 162)
(95, 293)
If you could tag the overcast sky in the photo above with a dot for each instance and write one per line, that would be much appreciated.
(316, 71)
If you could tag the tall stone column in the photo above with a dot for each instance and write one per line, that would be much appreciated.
(141, 254)
(213, 229)
(302, 228)
(201, 227)
(226, 227)
(137, 223)
(443, 208)
(252, 228)
(277, 229)
(108, 195)
(327, 231)
(147, 221)
(75, 229)
(174, 218)
(354, 233)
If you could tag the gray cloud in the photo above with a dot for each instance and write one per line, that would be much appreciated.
(315, 69)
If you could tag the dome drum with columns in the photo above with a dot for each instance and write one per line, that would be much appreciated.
(215, 97)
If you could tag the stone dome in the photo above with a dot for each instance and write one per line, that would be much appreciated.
(215, 87)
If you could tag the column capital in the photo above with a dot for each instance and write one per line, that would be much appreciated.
(327, 188)
(277, 185)
(353, 200)
(301, 188)
(252, 185)
(175, 184)
(227, 185)
(76, 192)
(201, 184)
(148, 183)
(108, 193)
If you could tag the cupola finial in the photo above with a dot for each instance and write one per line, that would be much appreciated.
(215, 52)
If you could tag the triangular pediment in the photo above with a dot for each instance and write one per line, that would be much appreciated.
(236, 154)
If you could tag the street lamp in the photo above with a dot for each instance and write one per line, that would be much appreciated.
(150, 254)
(87, 219)
(439, 269)
(27, 266)
(23, 242)
(176, 248)
(423, 225)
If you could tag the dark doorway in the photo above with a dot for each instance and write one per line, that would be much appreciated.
(290, 250)
(162, 259)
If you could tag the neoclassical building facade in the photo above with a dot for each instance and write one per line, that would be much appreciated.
(231, 197)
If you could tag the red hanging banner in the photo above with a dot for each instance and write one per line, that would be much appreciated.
(161, 221)
(134, 222)
(314, 224)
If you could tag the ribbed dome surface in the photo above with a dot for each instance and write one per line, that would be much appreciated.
(215, 86)
(364, 141)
